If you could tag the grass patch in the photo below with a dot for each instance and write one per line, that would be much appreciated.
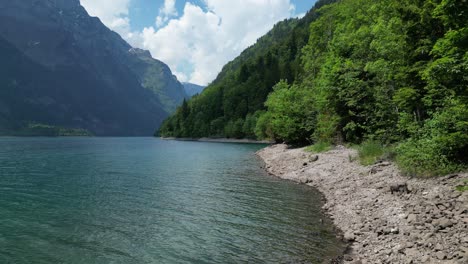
(370, 151)
(463, 187)
(319, 147)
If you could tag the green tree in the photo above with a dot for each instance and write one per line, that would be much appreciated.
(291, 113)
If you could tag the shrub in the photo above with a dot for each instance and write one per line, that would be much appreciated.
(291, 117)
(370, 152)
(423, 157)
(463, 187)
(263, 128)
(319, 147)
(441, 145)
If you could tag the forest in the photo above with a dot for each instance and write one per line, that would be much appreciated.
(391, 72)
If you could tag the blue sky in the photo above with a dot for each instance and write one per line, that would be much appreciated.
(195, 38)
(143, 12)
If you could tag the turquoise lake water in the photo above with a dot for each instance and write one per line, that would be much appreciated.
(145, 200)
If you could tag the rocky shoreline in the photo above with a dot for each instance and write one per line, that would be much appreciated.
(384, 216)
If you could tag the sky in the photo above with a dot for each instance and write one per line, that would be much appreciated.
(195, 38)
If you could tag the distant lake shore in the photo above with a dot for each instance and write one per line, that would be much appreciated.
(221, 140)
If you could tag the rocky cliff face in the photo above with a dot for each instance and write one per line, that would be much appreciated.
(62, 67)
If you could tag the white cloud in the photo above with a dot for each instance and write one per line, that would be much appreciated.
(301, 15)
(197, 44)
(166, 12)
(209, 39)
(113, 14)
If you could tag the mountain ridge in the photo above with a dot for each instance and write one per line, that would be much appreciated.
(94, 80)
(192, 89)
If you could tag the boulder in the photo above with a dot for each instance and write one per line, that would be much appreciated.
(349, 237)
(412, 218)
(441, 255)
(399, 188)
(445, 223)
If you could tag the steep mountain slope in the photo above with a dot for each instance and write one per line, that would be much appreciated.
(193, 89)
(230, 106)
(63, 68)
(157, 77)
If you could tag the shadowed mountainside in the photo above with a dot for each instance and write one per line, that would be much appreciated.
(63, 68)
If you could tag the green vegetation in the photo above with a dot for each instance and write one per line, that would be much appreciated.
(157, 77)
(232, 105)
(370, 152)
(50, 131)
(463, 187)
(379, 72)
(319, 147)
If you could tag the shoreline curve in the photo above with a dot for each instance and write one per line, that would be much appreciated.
(425, 223)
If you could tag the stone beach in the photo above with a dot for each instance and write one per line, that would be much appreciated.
(385, 217)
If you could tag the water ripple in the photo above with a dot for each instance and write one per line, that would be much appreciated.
(142, 200)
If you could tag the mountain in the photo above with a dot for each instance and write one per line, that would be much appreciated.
(230, 105)
(193, 89)
(62, 68)
(157, 77)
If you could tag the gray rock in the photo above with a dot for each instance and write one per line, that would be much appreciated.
(439, 247)
(349, 237)
(441, 255)
(387, 231)
(408, 245)
(428, 236)
(412, 218)
(412, 253)
(425, 259)
(445, 223)
(399, 188)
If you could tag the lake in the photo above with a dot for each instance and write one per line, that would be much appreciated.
(146, 200)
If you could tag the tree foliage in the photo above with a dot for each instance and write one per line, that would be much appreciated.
(231, 105)
(392, 72)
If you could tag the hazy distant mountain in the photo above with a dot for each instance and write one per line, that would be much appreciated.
(61, 67)
(193, 89)
(156, 76)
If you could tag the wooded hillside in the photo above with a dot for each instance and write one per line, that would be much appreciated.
(393, 72)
